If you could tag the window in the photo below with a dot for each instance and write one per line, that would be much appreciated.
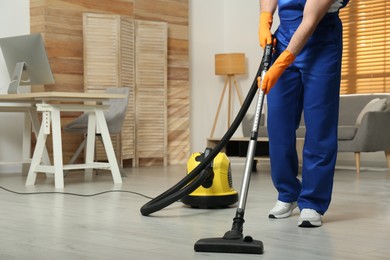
(366, 52)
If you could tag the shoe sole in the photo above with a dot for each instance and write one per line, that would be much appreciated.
(308, 224)
(286, 215)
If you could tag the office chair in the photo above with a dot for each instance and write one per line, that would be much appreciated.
(115, 116)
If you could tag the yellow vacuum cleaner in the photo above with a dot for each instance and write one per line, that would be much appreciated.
(217, 190)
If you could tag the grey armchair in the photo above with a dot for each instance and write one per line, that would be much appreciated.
(372, 133)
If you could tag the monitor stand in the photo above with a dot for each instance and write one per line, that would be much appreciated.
(16, 78)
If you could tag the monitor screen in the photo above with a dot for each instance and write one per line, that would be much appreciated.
(26, 61)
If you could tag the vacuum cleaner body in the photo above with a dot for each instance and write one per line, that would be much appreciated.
(217, 191)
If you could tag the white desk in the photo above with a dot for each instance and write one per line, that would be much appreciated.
(51, 104)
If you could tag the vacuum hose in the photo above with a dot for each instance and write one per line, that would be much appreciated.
(200, 173)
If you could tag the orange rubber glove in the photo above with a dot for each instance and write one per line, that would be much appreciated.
(275, 71)
(264, 31)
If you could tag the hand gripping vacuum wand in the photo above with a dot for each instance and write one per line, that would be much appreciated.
(233, 241)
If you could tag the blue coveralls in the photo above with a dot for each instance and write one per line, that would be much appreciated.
(311, 84)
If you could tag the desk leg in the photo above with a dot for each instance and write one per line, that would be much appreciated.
(38, 152)
(26, 150)
(35, 127)
(102, 124)
(90, 147)
(57, 148)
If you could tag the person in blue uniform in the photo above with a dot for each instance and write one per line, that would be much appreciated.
(304, 77)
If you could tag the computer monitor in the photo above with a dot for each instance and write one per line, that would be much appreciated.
(26, 61)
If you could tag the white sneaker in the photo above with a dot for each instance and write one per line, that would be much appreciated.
(310, 218)
(282, 209)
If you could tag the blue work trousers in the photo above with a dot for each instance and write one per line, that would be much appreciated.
(312, 85)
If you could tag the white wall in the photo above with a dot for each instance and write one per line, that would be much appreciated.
(14, 20)
(218, 26)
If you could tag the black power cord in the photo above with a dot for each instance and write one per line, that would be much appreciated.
(75, 194)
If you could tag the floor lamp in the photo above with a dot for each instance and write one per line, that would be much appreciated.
(229, 65)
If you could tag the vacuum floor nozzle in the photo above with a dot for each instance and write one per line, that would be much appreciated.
(245, 245)
(233, 241)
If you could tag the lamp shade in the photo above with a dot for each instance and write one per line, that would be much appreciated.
(230, 64)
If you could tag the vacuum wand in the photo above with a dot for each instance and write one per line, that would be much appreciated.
(233, 240)
(266, 62)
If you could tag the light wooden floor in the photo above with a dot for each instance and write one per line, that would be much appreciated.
(110, 226)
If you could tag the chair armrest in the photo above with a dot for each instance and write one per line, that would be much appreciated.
(373, 134)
